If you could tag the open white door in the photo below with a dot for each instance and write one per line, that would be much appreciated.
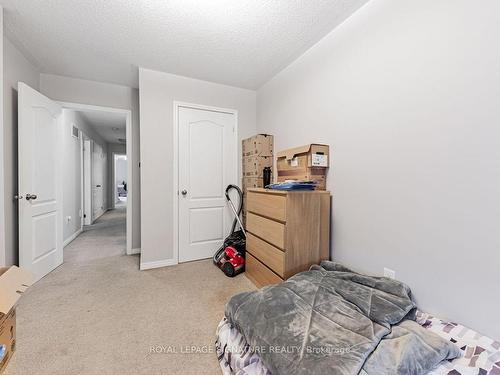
(207, 164)
(40, 190)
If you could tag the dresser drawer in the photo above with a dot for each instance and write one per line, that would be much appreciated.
(269, 205)
(269, 230)
(258, 273)
(271, 256)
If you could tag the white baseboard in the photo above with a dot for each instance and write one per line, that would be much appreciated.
(137, 250)
(158, 264)
(72, 237)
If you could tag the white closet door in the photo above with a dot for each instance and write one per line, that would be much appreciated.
(207, 164)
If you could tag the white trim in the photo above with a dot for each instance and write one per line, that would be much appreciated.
(130, 177)
(136, 250)
(130, 153)
(158, 264)
(177, 105)
(72, 237)
(175, 173)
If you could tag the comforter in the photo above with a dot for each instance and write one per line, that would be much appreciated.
(331, 320)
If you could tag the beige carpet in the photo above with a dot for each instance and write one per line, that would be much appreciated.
(98, 314)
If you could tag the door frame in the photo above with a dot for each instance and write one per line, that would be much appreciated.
(113, 176)
(82, 181)
(177, 106)
(129, 152)
(86, 180)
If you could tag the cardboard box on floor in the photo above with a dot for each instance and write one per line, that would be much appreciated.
(13, 282)
(258, 145)
(309, 162)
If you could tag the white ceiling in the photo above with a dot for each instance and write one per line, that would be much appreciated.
(237, 42)
(109, 125)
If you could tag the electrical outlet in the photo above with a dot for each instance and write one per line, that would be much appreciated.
(391, 274)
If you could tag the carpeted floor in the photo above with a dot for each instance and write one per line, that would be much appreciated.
(98, 314)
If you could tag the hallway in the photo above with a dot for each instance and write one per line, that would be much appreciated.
(98, 314)
(105, 238)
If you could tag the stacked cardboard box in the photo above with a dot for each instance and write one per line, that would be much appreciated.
(305, 163)
(257, 153)
(13, 282)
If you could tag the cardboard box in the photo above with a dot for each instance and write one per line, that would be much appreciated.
(252, 182)
(247, 183)
(309, 162)
(253, 166)
(258, 145)
(13, 282)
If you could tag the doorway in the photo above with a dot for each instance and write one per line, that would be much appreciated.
(98, 161)
(207, 162)
(120, 180)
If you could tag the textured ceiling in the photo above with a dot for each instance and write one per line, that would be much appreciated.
(237, 42)
(110, 126)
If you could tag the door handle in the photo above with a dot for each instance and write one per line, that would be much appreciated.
(30, 197)
(184, 192)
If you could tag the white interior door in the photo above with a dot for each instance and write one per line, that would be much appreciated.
(207, 164)
(40, 191)
(87, 182)
(98, 181)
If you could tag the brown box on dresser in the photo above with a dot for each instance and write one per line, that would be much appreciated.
(287, 232)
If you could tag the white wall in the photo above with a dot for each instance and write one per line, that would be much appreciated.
(15, 68)
(158, 91)
(407, 95)
(72, 169)
(107, 95)
(71, 176)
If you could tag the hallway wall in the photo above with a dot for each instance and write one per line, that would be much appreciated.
(72, 171)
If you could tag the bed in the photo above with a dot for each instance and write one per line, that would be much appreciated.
(474, 354)
(481, 355)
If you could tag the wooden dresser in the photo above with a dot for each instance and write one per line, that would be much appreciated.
(287, 232)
